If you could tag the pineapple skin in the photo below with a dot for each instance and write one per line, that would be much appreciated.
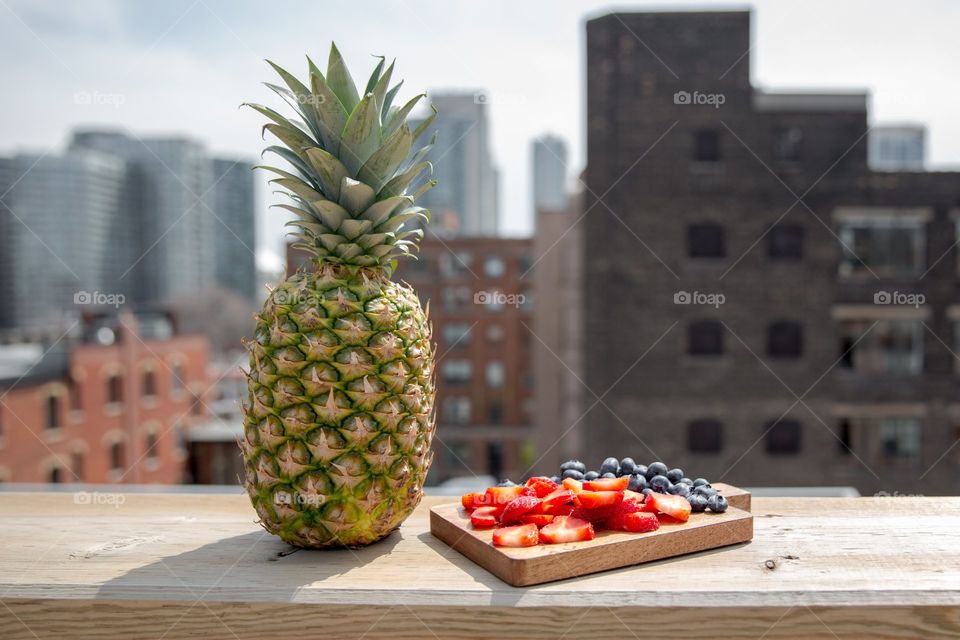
(340, 414)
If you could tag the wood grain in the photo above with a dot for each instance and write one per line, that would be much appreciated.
(526, 566)
(199, 566)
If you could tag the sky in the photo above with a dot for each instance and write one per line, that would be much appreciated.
(183, 66)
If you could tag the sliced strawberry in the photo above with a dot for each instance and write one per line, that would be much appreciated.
(471, 501)
(484, 517)
(556, 498)
(557, 509)
(542, 486)
(636, 522)
(594, 499)
(597, 515)
(524, 535)
(518, 507)
(501, 496)
(573, 485)
(634, 494)
(630, 503)
(674, 506)
(567, 529)
(607, 484)
(539, 519)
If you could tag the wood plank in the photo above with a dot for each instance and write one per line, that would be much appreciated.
(609, 550)
(854, 567)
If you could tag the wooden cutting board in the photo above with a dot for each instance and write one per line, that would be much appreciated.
(525, 566)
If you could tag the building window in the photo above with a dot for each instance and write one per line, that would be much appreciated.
(116, 456)
(788, 145)
(882, 246)
(883, 346)
(151, 452)
(457, 371)
(455, 265)
(495, 333)
(76, 465)
(705, 435)
(196, 407)
(114, 389)
(456, 298)
(495, 374)
(707, 146)
(785, 339)
(783, 437)
(706, 240)
(76, 397)
(177, 378)
(457, 410)
(705, 338)
(56, 477)
(900, 437)
(495, 413)
(845, 437)
(53, 412)
(456, 334)
(149, 384)
(785, 242)
(494, 267)
(495, 459)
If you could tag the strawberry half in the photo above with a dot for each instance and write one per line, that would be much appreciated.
(539, 519)
(471, 501)
(573, 485)
(501, 496)
(542, 486)
(567, 529)
(524, 535)
(676, 507)
(553, 501)
(594, 499)
(518, 507)
(607, 484)
(636, 522)
(484, 517)
(597, 515)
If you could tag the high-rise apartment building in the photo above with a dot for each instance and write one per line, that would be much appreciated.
(464, 202)
(759, 306)
(232, 202)
(549, 173)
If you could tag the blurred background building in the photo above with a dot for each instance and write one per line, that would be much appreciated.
(549, 173)
(897, 147)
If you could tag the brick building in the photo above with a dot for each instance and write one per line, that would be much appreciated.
(478, 306)
(110, 404)
(818, 368)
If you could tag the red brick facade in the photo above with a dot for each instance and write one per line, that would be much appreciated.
(118, 416)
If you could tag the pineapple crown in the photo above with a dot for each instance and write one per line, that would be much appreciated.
(355, 174)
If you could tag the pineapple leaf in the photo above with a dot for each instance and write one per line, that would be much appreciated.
(356, 196)
(340, 80)
(298, 187)
(380, 210)
(361, 135)
(399, 116)
(375, 76)
(287, 174)
(330, 113)
(353, 229)
(301, 96)
(384, 162)
(388, 101)
(331, 241)
(314, 69)
(329, 170)
(313, 229)
(430, 184)
(295, 139)
(379, 90)
(371, 240)
(398, 185)
(426, 123)
(300, 213)
(348, 251)
(290, 157)
(330, 213)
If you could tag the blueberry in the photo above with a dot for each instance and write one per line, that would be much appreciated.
(591, 475)
(717, 503)
(697, 502)
(506, 483)
(555, 479)
(656, 469)
(641, 470)
(675, 475)
(646, 491)
(699, 482)
(572, 473)
(608, 475)
(628, 467)
(681, 489)
(610, 465)
(637, 483)
(687, 481)
(672, 489)
(705, 491)
(576, 465)
(660, 484)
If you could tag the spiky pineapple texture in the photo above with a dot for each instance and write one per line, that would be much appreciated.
(355, 174)
(340, 413)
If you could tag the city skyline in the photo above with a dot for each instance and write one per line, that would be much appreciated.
(145, 68)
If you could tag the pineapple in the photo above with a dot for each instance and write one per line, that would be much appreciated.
(340, 414)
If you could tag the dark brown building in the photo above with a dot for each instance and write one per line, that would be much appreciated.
(759, 306)
(481, 310)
